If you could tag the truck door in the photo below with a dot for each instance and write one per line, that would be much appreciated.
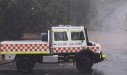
(77, 40)
(60, 42)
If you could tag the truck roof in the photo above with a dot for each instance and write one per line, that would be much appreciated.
(67, 27)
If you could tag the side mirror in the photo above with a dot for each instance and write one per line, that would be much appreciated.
(44, 36)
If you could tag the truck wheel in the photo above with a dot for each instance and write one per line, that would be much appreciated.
(83, 63)
(24, 64)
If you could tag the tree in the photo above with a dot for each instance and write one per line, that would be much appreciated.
(19, 16)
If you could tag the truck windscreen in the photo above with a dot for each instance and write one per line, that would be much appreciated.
(77, 36)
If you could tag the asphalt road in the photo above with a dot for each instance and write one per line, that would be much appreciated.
(114, 44)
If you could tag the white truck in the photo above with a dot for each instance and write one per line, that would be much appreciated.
(59, 44)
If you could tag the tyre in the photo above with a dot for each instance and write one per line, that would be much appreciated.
(83, 63)
(24, 64)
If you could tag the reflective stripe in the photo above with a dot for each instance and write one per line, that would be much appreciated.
(25, 53)
(73, 49)
(24, 48)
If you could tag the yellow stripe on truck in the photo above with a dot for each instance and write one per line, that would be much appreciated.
(25, 52)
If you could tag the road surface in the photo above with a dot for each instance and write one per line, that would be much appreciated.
(114, 44)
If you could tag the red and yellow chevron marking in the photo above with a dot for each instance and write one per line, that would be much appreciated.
(73, 49)
(24, 48)
(39, 49)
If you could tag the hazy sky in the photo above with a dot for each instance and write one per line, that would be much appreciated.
(109, 15)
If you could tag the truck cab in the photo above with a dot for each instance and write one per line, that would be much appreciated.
(67, 37)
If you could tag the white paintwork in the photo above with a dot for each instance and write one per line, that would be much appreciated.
(9, 57)
(51, 58)
(98, 45)
(68, 27)
(24, 42)
(69, 42)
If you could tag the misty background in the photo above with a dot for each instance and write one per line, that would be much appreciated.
(31, 16)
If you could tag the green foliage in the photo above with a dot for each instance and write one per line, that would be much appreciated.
(17, 16)
(55, 12)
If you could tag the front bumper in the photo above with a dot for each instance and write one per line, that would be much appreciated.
(99, 57)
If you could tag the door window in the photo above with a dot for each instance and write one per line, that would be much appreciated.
(77, 36)
(60, 36)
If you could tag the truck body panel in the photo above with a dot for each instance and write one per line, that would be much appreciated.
(39, 47)
(24, 47)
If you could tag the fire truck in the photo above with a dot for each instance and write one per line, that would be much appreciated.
(60, 44)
